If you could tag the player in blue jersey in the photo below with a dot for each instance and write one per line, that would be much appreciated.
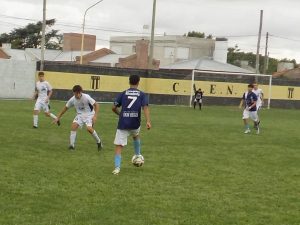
(132, 101)
(250, 111)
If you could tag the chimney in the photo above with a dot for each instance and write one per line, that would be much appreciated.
(72, 42)
(142, 47)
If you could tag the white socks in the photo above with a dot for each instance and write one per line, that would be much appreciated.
(35, 120)
(72, 138)
(52, 116)
(96, 137)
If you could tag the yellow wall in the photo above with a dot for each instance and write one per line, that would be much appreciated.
(165, 86)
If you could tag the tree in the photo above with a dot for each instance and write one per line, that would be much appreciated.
(235, 56)
(31, 35)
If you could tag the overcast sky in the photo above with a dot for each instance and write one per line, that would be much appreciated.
(230, 18)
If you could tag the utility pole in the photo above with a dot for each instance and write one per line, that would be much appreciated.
(266, 54)
(43, 37)
(258, 43)
(152, 36)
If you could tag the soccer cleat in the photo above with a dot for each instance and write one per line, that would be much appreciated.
(257, 131)
(58, 123)
(247, 131)
(100, 146)
(34, 127)
(116, 171)
(71, 147)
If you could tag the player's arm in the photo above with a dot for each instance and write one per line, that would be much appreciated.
(241, 103)
(117, 104)
(49, 95)
(147, 116)
(96, 108)
(253, 105)
(116, 110)
(35, 94)
(62, 112)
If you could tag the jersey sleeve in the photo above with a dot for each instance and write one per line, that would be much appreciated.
(70, 103)
(255, 97)
(49, 86)
(91, 100)
(145, 100)
(118, 100)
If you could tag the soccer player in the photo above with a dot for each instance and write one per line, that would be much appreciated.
(260, 96)
(131, 101)
(43, 93)
(87, 111)
(250, 110)
(198, 98)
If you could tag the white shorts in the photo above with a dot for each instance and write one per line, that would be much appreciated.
(84, 120)
(250, 114)
(41, 105)
(198, 100)
(122, 135)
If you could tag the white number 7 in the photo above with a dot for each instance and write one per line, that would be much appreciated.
(133, 99)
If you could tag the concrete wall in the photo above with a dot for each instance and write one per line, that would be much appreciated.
(17, 79)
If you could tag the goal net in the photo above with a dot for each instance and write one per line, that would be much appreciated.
(227, 88)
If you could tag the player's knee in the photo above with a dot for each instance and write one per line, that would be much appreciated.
(74, 127)
(136, 137)
(47, 114)
(90, 129)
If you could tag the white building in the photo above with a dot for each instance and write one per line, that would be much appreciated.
(174, 48)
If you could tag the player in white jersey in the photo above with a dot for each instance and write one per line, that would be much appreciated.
(87, 112)
(43, 92)
(260, 96)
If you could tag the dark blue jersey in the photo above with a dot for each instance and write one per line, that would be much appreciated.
(250, 98)
(131, 101)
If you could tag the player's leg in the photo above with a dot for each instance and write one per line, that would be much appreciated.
(46, 108)
(36, 110)
(200, 104)
(93, 132)
(246, 115)
(254, 117)
(120, 141)
(136, 141)
(195, 103)
(77, 122)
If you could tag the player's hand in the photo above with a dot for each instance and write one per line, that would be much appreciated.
(247, 108)
(94, 119)
(47, 100)
(148, 125)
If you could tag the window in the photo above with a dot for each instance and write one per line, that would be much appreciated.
(183, 53)
(169, 52)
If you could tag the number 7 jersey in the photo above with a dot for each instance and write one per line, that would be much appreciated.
(131, 101)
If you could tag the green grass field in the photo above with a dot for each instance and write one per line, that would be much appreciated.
(199, 169)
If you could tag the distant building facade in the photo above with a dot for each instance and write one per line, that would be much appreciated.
(170, 49)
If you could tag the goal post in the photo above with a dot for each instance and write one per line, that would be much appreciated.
(238, 78)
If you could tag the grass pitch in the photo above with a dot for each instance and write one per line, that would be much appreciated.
(199, 169)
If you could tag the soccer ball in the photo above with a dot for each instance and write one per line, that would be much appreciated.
(137, 160)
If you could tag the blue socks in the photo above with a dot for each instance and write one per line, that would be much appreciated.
(118, 161)
(137, 146)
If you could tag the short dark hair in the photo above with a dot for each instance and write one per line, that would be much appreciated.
(77, 88)
(134, 79)
(250, 86)
(41, 74)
